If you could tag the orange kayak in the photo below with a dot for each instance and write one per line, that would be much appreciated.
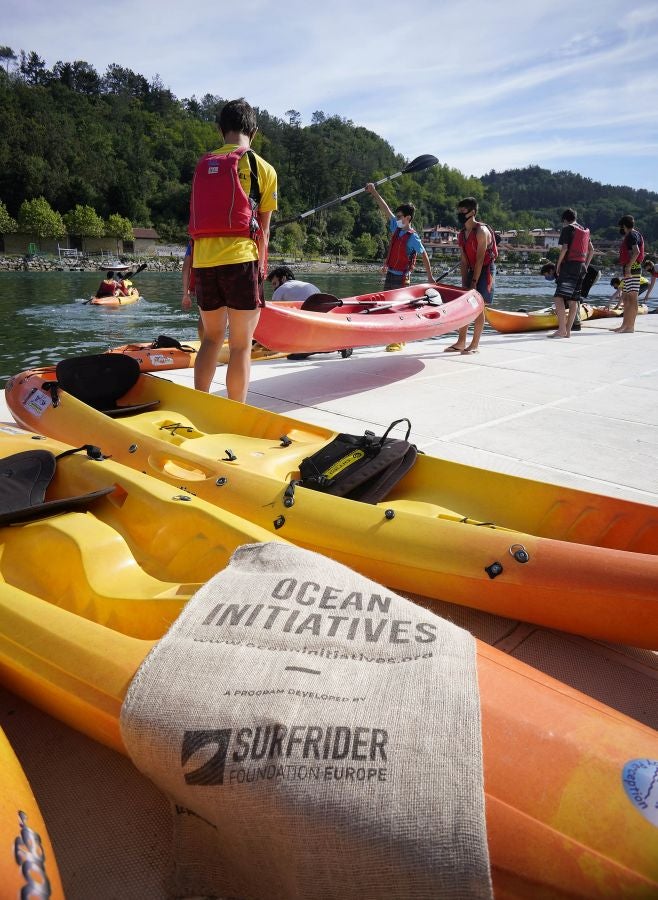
(159, 359)
(114, 302)
(569, 783)
(606, 312)
(507, 321)
(27, 861)
(377, 319)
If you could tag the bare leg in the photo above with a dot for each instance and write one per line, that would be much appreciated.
(573, 309)
(214, 328)
(241, 326)
(460, 343)
(561, 319)
(630, 313)
(478, 327)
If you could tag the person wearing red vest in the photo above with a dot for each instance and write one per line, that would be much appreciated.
(234, 193)
(405, 247)
(478, 269)
(631, 254)
(576, 252)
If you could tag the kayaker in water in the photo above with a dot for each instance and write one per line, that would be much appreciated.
(287, 287)
(108, 287)
(576, 252)
(478, 268)
(234, 193)
(404, 249)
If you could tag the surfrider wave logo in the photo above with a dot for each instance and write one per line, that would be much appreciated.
(279, 752)
(640, 780)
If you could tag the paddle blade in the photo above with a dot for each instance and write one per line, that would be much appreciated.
(426, 161)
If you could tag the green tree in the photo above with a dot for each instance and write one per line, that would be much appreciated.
(7, 224)
(38, 218)
(7, 56)
(365, 247)
(312, 245)
(84, 222)
(120, 228)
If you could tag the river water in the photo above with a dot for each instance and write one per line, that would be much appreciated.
(44, 316)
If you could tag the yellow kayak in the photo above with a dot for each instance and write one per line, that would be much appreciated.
(565, 776)
(27, 862)
(508, 322)
(530, 550)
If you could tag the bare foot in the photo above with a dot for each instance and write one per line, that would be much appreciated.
(625, 330)
(616, 329)
(469, 350)
(556, 334)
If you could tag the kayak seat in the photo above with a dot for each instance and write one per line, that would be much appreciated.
(24, 479)
(320, 303)
(100, 381)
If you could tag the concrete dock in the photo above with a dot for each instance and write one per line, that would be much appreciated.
(582, 412)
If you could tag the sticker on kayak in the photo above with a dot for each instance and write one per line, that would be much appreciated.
(640, 780)
(9, 429)
(37, 403)
(159, 359)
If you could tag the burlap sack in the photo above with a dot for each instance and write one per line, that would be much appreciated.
(319, 737)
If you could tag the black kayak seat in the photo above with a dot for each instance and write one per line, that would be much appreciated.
(320, 303)
(101, 380)
(24, 480)
(165, 342)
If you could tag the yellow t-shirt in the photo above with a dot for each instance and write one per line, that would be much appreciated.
(224, 251)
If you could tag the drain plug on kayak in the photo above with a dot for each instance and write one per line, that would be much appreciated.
(494, 570)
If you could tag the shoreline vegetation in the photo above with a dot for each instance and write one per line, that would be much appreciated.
(129, 146)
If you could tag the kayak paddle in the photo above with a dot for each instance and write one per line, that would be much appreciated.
(419, 164)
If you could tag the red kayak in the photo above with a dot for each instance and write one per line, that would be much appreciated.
(324, 323)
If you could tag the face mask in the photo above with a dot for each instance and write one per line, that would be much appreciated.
(462, 218)
(549, 277)
(400, 223)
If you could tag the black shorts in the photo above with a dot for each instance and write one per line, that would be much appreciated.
(237, 286)
(570, 281)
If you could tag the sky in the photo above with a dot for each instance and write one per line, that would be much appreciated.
(482, 85)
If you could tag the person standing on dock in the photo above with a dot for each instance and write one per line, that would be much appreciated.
(234, 193)
(479, 252)
(631, 254)
(576, 252)
(404, 249)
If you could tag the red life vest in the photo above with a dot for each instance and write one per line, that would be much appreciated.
(219, 206)
(106, 288)
(579, 246)
(398, 259)
(470, 246)
(624, 250)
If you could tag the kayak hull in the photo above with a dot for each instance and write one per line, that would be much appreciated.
(367, 320)
(554, 759)
(510, 322)
(564, 558)
(115, 302)
(161, 359)
(30, 869)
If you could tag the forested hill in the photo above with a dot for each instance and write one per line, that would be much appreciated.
(120, 145)
(544, 194)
